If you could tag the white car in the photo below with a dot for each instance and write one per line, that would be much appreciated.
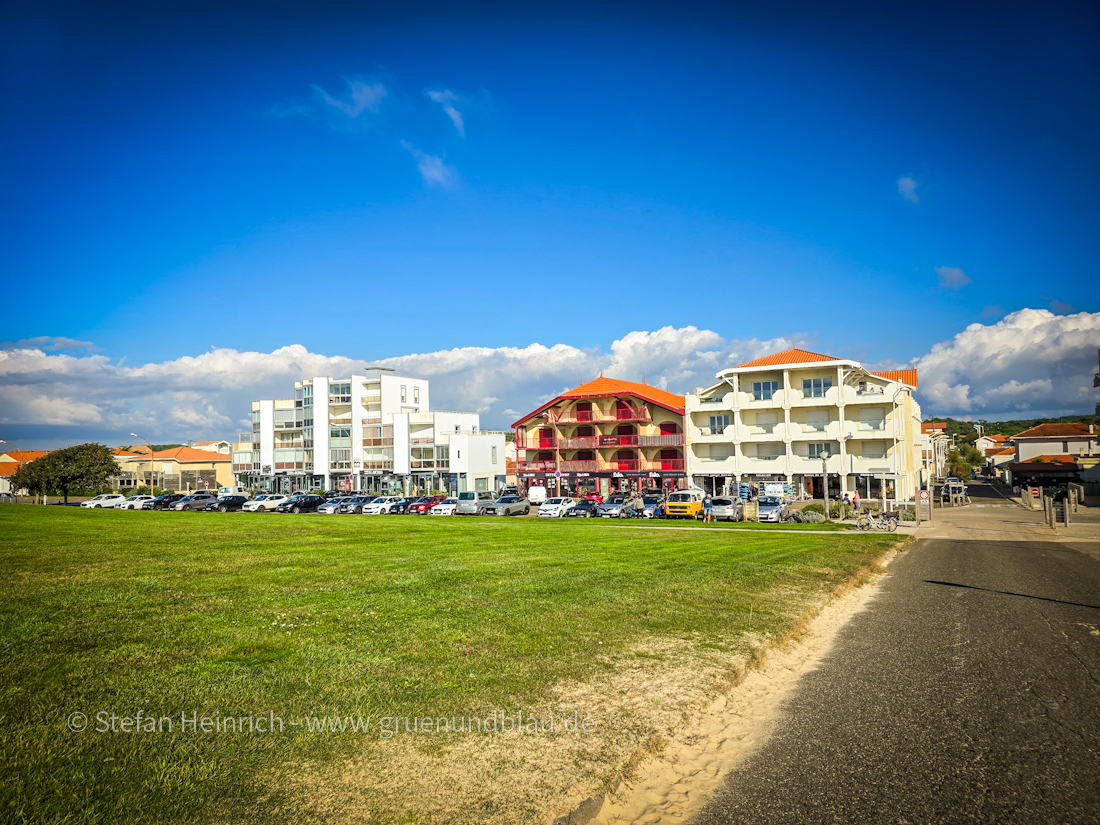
(555, 507)
(266, 502)
(106, 500)
(332, 506)
(134, 502)
(381, 506)
(446, 507)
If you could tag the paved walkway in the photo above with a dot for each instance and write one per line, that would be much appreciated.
(969, 691)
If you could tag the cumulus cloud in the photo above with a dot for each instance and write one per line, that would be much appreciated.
(362, 97)
(1030, 363)
(907, 188)
(432, 168)
(210, 395)
(951, 277)
(50, 343)
(447, 99)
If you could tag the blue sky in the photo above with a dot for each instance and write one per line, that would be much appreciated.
(868, 182)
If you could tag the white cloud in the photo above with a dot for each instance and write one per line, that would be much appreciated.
(363, 97)
(951, 277)
(1031, 363)
(907, 188)
(447, 99)
(50, 343)
(432, 168)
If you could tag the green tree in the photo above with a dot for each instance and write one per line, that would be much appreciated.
(81, 468)
(35, 477)
(956, 465)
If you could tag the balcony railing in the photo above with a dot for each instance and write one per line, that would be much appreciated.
(604, 442)
(586, 416)
(289, 445)
(622, 465)
(377, 465)
(663, 440)
(336, 422)
(580, 466)
(377, 442)
(430, 464)
(422, 440)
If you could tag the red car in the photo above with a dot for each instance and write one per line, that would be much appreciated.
(596, 497)
(423, 504)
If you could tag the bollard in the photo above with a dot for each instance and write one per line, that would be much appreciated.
(1065, 512)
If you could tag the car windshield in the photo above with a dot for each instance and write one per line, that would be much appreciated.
(681, 497)
(466, 496)
(513, 499)
(721, 502)
(552, 500)
(649, 501)
(769, 501)
(616, 500)
(586, 503)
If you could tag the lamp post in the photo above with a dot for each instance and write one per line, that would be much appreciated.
(146, 440)
(824, 455)
(19, 458)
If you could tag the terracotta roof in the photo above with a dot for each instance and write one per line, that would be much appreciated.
(1054, 430)
(1051, 459)
(908, 376)
(23, 456)
(997, 438)
(613, 386)
(602, 386)
(788, 356)
(216, 441)
(930, 427)
(186, 454)
(1000, 451)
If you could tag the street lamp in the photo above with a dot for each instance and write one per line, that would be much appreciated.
(146, 440)
(824, 456)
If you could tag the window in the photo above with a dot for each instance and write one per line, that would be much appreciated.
(816, 421)
(874, 449)
(764, 390)
(765, 422)
(494, 455)
(872, 418)
(416, 395)
(402, 393)
(817, 449)
(816, 387)
(456, 428)
(1065, 447)
(770, 450)
(718, 424)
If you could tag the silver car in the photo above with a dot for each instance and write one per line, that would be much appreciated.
(507, 506)
(612, 507)
(474, 502)
(195, 501)
(772, 508)
(730, 509)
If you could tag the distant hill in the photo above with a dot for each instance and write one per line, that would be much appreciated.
(966, 431)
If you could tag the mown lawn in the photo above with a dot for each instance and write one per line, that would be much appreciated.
(174, 613)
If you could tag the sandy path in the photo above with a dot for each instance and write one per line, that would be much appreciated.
(673, 786)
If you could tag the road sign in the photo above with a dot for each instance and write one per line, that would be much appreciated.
(557, 474)
(924, 495)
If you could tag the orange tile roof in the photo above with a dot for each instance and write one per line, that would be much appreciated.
(930, 427)
(1051, 459)
(1054, 430)
(997, 438)
(613, 386)
(788, 356)
(185, 454)
(23, 456)
(992, 451)
(908, 376)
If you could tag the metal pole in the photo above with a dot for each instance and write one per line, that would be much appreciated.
(825, 482)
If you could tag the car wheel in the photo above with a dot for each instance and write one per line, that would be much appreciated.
(96, 507)
(223, 509)
(526, 511)
(296, 510)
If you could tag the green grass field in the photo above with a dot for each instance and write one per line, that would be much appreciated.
(172, 613)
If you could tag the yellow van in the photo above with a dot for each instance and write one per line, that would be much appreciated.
(685, 503)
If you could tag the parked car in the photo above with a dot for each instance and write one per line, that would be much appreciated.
(474, 502)
(585, 508)
(446, 507)
(354, 504)
(264, 503)
(555, 507)
(772, 509)
(728, 509)
(651, 505)
(226, 504)
(686, 503)
(612, 507)
(596, 497)
(301, 503)
(163, 502)
(423, 505)
(402, 506)
(507, 506)
(381, 506)
(195, 501)
(510, 490)
(332, 505)
(134, 502)
(537, 494)
(328, 495)
(104, 501)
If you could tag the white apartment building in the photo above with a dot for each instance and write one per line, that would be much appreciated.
(372, 432)
(775, 418)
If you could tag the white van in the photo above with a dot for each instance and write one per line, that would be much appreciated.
(536, 495)
(234, 491)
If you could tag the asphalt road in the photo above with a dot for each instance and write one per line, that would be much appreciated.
(968, 692)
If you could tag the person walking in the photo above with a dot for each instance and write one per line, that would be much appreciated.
(855, 501)
(706, 510)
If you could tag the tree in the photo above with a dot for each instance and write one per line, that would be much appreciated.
(956, 465)
(35, 477)
(81, 468)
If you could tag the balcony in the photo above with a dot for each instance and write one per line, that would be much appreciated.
(377, 442)
(662, 440)
(597, 416)
(580, 466)
(423, 439)
(289, 445)
(340, 422)
(537, 466)
(668, 465)
(377, 465)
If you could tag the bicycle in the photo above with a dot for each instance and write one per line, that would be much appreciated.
(887, 522)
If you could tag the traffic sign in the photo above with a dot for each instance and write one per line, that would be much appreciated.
(924, 495)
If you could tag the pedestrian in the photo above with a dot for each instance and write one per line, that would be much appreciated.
(855, 501)
(706, 509)
(847, 501)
